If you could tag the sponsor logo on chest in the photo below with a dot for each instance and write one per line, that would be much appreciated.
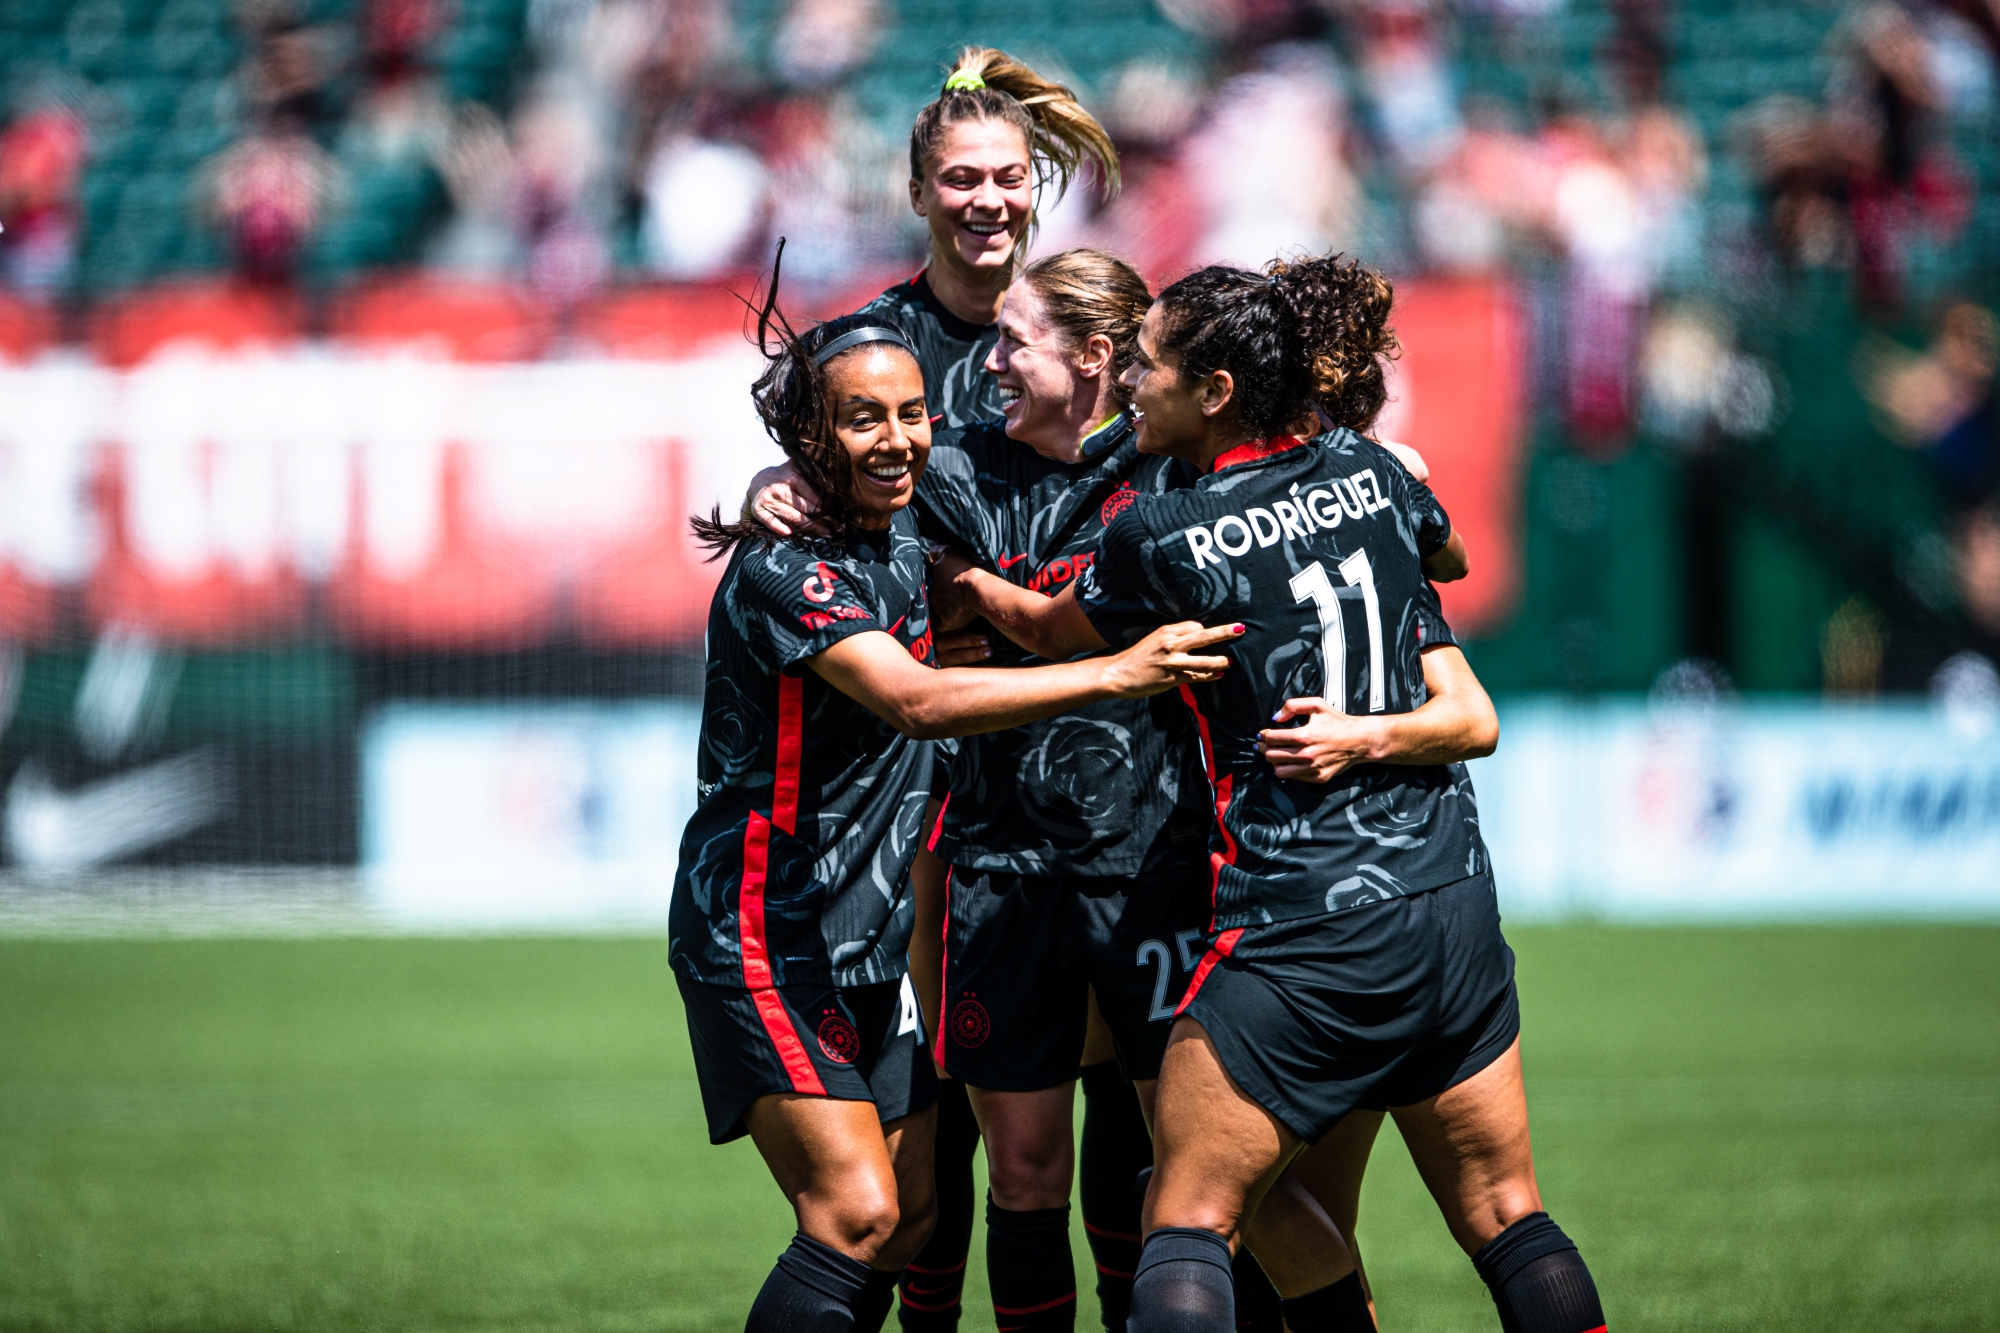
(1325, 506)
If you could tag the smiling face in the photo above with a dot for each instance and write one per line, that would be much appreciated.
(1042, 379)
(880, 421)
(1175, 417)
(978, 194)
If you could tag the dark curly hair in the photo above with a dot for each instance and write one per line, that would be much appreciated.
(1307, 335)
(791, 401)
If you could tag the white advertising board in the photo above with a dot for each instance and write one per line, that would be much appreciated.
(1756, 809)
(569, 815)
(533, 816)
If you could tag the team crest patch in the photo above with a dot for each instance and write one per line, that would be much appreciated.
(1117, 503)
(839, 1040)
(970, 1027)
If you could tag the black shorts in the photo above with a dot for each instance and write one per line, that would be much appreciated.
(1378, 1006)
(856, 1043)
(1020, 951)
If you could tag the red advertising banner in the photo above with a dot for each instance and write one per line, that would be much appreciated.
(445, 471)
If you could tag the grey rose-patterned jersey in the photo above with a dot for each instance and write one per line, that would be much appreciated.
(951, 352)
(1116, 788)
(1318, 548)
(796, 865)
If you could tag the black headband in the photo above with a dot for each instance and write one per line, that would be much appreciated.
(874, 333)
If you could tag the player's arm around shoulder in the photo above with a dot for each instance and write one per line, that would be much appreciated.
(1455, 723)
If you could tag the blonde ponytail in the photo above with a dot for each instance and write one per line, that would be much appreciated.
(987, 84)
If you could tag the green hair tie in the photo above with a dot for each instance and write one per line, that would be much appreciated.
(963, 81)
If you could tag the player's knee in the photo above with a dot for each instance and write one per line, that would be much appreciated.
(863, 1218)
(1503, 1203)
(1027, 1172)
(916, 1219)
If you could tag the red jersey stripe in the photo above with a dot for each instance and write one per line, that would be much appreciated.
(1225, 943)
(778, 1026)
(750, 935)
(750, 903)
(791, 744)
(1223, 787)
(944, 965)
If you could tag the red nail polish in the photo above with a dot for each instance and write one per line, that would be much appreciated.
(1239, 629)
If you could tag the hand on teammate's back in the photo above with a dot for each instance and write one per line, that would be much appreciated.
(1327, 743)
(780, 501)
(1168, 657)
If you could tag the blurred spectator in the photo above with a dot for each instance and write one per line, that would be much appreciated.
(1852, 184)
(706, 202)
(1942, 400)
(1979, 567)
(1408, 81)
(41, 159)
(269, 194)
(835, 188)
(1851, 647)
(289, 67)
(401, 117)
(559, 162)
(1270, 163)
(818, 41)
(477, 164)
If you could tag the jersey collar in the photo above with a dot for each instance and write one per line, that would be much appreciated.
(1114, 431)
(1257, 450)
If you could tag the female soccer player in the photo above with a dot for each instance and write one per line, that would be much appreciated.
(1358, 959)
(791, 916)
(980, 154)
(1079, 843)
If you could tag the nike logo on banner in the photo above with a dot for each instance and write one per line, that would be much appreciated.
(1007, 563)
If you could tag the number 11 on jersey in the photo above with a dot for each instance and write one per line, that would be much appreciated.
(1312, 584)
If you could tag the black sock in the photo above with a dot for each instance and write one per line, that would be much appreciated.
(1538, 1279)
(935, 1280)
(813, 1289)
(1116, 1148)
(1339, 1307)
(1183, 1284)
(1029, 1268)
(1257, 1303)
(871, 1308)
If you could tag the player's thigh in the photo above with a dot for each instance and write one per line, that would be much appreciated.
(911, 1143)
(1030, 1144)
(1470, 1143)
(1331, 1170)
(830, 1158)
(1217, 1150)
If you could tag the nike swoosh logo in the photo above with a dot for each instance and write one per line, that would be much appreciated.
(1007, 564)
(52, 830)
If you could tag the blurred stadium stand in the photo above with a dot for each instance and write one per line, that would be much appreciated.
(364, 354)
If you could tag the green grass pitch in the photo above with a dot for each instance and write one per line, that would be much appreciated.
(1756, 1129)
